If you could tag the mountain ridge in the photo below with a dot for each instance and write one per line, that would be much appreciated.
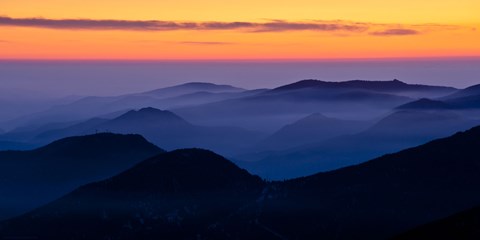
(374, 200)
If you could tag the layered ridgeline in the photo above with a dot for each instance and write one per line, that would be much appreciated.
(328, 149)
(270, 110)
(29, 179)
(163, 128)
(93, 106)
(465, 99)
(196, 194)
(175, 195)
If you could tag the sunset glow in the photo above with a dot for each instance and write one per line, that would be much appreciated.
(213, 29)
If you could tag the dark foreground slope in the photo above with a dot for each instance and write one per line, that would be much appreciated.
(175, 195)
(195, 194)
(464, 225)
(32, 178)
(381, 197)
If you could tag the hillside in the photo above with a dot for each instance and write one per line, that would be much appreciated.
(35, 177)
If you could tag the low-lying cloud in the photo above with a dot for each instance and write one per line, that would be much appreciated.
(396, 32)
(155, 25)
(204, 43)
(338, 26)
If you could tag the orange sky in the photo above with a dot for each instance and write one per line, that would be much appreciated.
(301, 29)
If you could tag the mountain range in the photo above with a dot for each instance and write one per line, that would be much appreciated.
(286, 132)
(35, 177)
(197, 194)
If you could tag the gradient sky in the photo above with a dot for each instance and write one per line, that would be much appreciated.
(248, 29)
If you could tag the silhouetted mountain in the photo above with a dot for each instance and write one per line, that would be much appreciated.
(163, 128)
(470, 102)
(382, 197)
(93, 106)
(468, 98)
(195, 194)
(175, 195)
(467, 92)
(313, 128)
(191, 88)
(271, 110)
(32, 178)
(394, 86)
(168, 130)
(87, 127)
(25, 134)
(396, 131)
(425, 103)
(464, 225)
(9, 145)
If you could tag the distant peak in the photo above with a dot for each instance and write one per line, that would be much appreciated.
(104, 138)
(152, 110)
(425, 103)
(374, 85)
(148, 113)
(202, 84)
(316, 115)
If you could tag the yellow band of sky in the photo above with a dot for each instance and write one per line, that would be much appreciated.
(393, 29)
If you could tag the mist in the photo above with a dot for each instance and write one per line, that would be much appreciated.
(55, 79)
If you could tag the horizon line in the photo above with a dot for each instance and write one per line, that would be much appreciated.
(199, 60)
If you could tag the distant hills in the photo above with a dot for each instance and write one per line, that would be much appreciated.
(426, 103)
(313, 128)
(270, 110)
(164, 128)
(175, 195)
(32, 178)
(467, 92)
(394, 86)
(289, 131)
(394, 132)
(94, 106)
(192, 87)
(194, 193)
(465, 99)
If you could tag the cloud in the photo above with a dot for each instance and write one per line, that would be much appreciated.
(396, 32)
(155, 25)
(337, 27)
(206, 43)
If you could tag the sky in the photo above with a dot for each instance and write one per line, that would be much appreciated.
(38, 79)
(238, 30)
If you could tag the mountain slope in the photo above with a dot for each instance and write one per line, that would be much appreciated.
(32, 178)
(93, 106)
(394, 86)
(161, 127)
(271, 110)
(394, 132)
(192, 87)
(425, 103)
(192, 194)
(313, 128)
(382, 197)
(175, 195)
(170, 131)
(467, 92)
(464, 225)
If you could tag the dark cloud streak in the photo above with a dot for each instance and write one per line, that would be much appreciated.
(154, 25)
(396, 32)
(205, 43)
(272, 25)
